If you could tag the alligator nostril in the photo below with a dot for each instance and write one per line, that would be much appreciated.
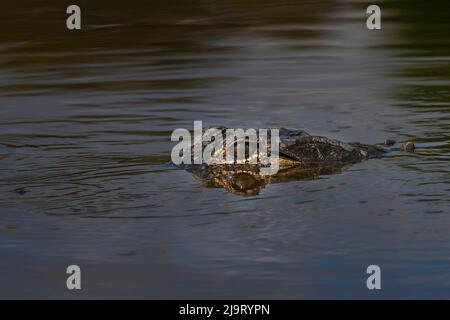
(408, 146)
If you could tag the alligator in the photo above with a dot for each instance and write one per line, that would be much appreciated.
(301, 157)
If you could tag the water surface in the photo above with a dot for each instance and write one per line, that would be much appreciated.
(85, 124)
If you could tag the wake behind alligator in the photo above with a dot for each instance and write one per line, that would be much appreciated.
(301, 157)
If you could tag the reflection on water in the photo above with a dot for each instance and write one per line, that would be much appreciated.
(245, 180)
(85, 124)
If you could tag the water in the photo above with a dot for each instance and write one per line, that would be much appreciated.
(85, 124)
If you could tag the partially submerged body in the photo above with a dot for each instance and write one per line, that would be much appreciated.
(301, 156)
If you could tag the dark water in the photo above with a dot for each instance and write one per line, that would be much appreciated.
(85, 124)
